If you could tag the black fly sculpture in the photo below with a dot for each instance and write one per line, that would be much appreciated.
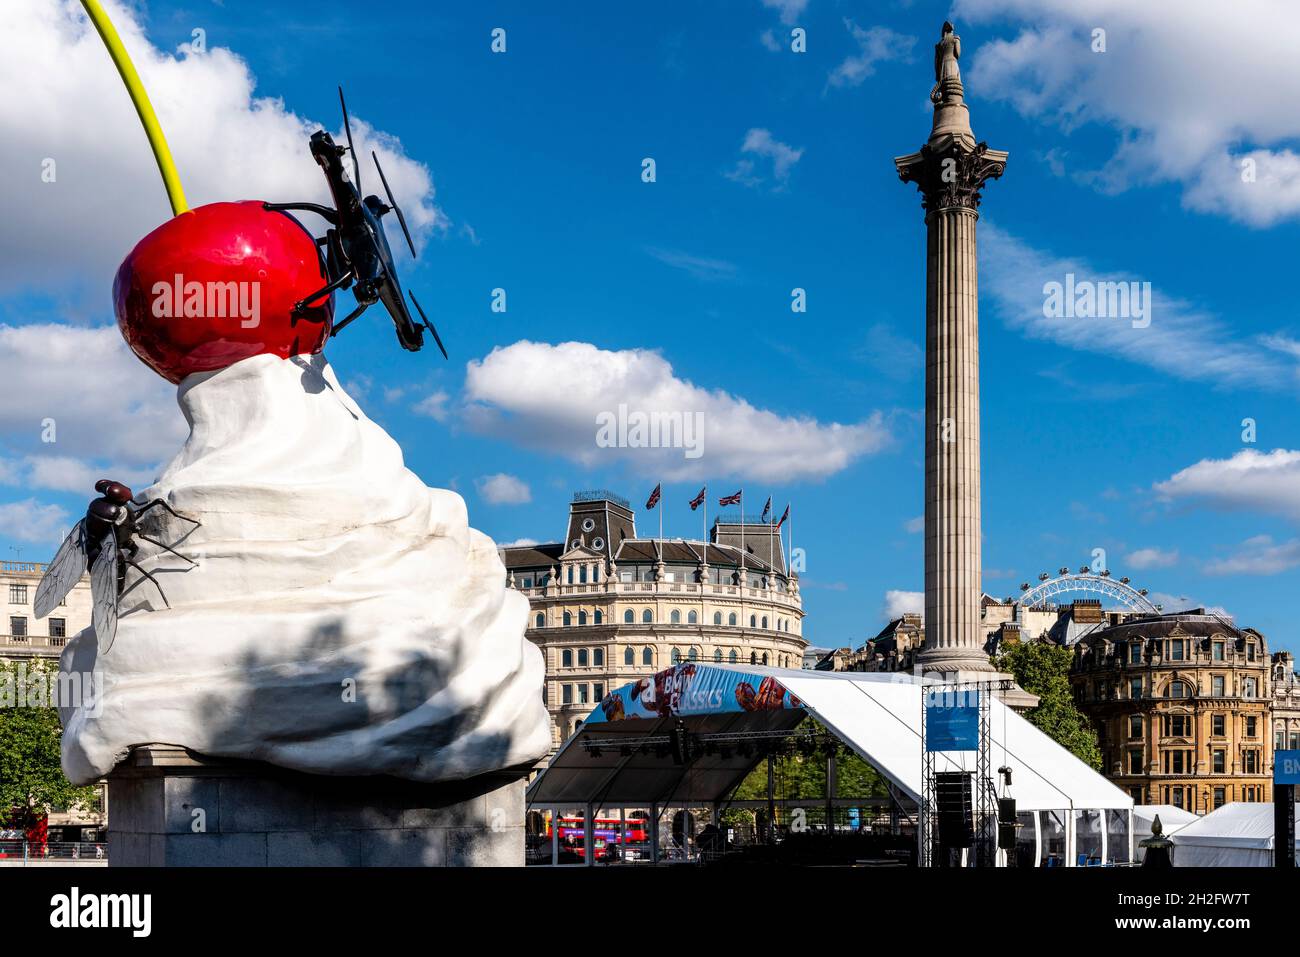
(104, 541)
(356, 248)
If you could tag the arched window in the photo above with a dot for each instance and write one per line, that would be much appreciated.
(598, 657)
(765, 621)
(599, 616)
(731, 619)
(566, 658)
(765, 657)
(677, 656)
(692, 618)
(1176, 689)
(582, 616)
(732, 656)
(647, 617)
(628, 617)
(753, 657)
(695, 653)
(717, 617)
(753, 621)
(647, 656)
(541, 620)
(568, 619)
(675, 617)
(582, 657)
(629, 656)
(717, 655)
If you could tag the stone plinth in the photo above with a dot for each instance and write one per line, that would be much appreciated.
(174, 808)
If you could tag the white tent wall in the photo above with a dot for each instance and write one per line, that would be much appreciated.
(1239, 834)
(1172, 820)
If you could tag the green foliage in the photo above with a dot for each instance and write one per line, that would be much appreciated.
(31, 776)
(1043, 669)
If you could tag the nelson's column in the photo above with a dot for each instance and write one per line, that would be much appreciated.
(950, 170)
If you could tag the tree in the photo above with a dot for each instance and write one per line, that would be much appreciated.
(31, 774)
(1044, 669)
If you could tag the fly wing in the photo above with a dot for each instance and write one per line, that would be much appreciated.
(103, 591)
(63, 572)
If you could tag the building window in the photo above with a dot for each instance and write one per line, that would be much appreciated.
(1295, 741)
(1279, 740)
(675, 617)
(731, 619)
(582, 616)
(18, 626)
(695, 653)
(647, 656)
(582, 657)
(717, 617)
(599, 617)
(765, 621)
(570, 571)
(598, 657)
(677, 656)
(692, 619)
(541, 619)
(732, 656)
(1177, 689)
(753, 621)
(1218, 725)
(1220, 797)
(1250, 762)
(566, 694)
(58, 627)
(753, 657)
(1250, 651)
(1217, 686)
(1248, 687)
(1134, 726)
(1219, 759)
(17, 594)
(582, 694)
(1135, 653)
(765, 657)
(1135, 762)
(1177, 649)
(582, 575)
(629, 656)
(647, 617)
(598, 691)
(628, 617)
(717, 655)
(566, 658)
(1251, 726)
(1135, 688)
(1177, 725)
(568, 619)
(1176, 761)
(1218, 651)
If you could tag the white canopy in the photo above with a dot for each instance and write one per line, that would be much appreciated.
(1239, 834)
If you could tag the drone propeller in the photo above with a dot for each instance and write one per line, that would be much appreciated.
(393, 203)
(347, 127)
(429, 325)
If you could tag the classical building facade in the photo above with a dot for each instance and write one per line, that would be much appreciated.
(1286, 703)
(609, 607)
(28, 639)
(1182, 704)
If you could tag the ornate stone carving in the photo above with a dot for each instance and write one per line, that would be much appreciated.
(951, 177)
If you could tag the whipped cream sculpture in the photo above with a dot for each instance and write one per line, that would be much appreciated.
(343, 618)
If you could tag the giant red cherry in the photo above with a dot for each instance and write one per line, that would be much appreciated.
(218, 284)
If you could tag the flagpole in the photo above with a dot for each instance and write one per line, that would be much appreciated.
(771, 545)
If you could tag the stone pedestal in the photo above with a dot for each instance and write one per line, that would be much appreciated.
(173, 808)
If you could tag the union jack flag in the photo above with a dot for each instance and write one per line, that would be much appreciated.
(653, 500)
(767, 510)
(784, 516)
(699, 499)
(731, 499)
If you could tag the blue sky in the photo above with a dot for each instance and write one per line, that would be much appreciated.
(522, 171)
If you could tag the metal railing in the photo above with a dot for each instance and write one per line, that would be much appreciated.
(52, 852)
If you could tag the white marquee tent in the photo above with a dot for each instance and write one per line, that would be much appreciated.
(1172, 819)
(1069, 813)
(1236, 835)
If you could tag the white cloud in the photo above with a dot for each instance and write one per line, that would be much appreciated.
(1144, 558)
(701, 267)
(1258, 556)
(31, 521)
(1173, 603)
(914, 526)
(512, 395)
(63, 473)
(899, 603)
(1182, 340)
(228, 145)
(519, 543)
(760, 142)
(104, 403)
(769, 41)
(503, 489)
(790, 10)
(875, 45)
(1183, 87)
(433, 405)
(1250, 480)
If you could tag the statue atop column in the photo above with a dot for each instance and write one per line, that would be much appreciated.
(951, 117)
(946, 54)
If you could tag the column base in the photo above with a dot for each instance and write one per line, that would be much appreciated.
(174, 808)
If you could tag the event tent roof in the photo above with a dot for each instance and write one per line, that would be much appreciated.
(877, 715)
(1172, 819)
(1239, 834)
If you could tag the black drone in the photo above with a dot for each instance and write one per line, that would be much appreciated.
(105, 541)
(356, 249)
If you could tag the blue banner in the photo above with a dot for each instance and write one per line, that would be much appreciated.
(952, 721)
(1286, 767)
(691, 688)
